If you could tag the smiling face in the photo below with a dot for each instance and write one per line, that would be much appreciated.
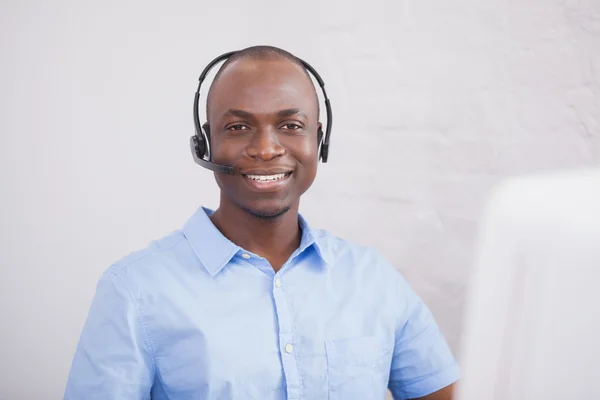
(263, 117)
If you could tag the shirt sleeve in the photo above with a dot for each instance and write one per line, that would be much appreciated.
(113, 358)
(422, 361)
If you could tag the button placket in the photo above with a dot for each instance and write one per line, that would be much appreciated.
(286, 340)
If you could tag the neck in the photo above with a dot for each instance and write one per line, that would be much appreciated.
(274, 239)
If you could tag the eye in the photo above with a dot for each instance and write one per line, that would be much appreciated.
(291, 126)
(237, 127)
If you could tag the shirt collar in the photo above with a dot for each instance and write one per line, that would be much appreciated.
(214, 250)
(314, 237)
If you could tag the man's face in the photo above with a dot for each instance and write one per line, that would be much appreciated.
(263, 120)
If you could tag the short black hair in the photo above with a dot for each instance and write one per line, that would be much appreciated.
(265, 53)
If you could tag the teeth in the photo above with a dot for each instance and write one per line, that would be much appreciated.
(266, 178)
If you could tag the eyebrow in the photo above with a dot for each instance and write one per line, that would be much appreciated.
(239, 113)
(288, 112)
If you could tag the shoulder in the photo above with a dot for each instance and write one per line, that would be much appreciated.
(149, 264)
(362, 271)
(348, 256)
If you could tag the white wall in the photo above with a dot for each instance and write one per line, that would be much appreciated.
(434, 102)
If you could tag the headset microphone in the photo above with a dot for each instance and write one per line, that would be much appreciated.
(200, 142)
(225, 169)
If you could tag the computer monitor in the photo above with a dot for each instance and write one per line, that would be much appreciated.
(532, 326)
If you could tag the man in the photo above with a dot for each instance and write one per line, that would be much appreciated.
(248, 301)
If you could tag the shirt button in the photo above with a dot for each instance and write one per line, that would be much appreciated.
(289, 348)
(246, 256)
(278, 284)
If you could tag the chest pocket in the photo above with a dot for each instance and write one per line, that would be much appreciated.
(357, 368)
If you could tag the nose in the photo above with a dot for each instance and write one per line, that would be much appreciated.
(265, 145)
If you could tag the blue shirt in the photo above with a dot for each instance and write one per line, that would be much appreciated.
(194, 316)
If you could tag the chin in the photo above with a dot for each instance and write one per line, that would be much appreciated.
(267, 213)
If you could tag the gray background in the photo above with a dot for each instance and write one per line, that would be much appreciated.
(434, 102)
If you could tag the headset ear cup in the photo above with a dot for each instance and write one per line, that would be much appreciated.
(206, 136)
(199, 146)
(320, 142)
(206, 128)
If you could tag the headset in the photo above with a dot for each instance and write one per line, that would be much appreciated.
(200, 142)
